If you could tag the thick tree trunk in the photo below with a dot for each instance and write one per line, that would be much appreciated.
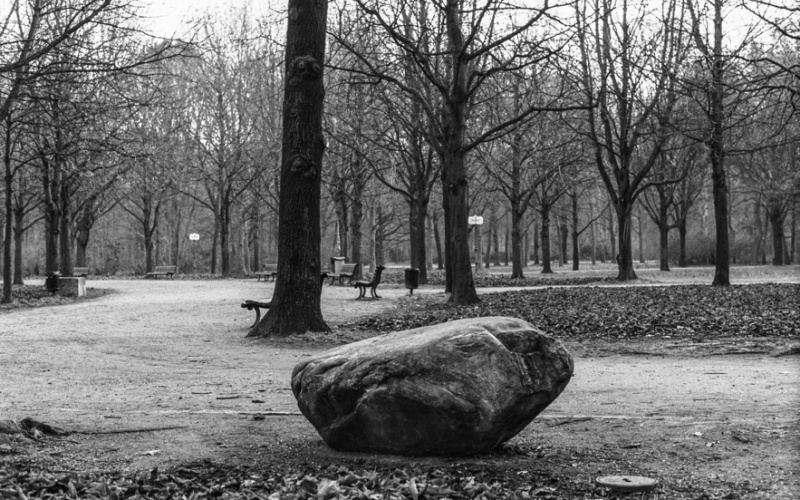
(296, 299)
(463, 291)
(776, 220)
(625, 255)
(417, 235)
(536, 236)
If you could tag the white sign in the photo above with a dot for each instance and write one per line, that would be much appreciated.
(475, 220)
(194, 236)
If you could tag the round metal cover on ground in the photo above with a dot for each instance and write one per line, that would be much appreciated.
(627, 483)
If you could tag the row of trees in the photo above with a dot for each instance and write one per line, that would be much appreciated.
(433, 111)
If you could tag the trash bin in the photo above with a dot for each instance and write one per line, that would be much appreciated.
(51, 281)
(412, 279)
(336, 265)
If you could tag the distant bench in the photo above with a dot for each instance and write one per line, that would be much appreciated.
(168, 271)
(346, 270)
(79, 272)
(270, 270)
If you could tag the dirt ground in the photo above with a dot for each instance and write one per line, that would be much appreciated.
(159, 373)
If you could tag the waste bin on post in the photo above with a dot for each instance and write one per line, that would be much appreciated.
(412, 279)
(336, 265)
(51, 282)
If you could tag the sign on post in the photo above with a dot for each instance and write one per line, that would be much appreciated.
(475, 220)
(194, 237)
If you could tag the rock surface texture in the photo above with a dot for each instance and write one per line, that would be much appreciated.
(461, 387)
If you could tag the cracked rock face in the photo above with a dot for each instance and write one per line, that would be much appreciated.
(461, 387)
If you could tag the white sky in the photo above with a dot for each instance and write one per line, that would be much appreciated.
(167, 17)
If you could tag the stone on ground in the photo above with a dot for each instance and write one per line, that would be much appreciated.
(461, 387)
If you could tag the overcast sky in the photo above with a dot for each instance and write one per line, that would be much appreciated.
(167, 16)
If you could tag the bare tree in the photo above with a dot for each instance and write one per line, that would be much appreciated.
(296, 300)
(629, 78)
(457, 47)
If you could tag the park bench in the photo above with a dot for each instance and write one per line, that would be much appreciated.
(258, 305)
(80, 272)
(345, 270)
(372, 285)
(269, 270)
(168, 271)
(254, 304)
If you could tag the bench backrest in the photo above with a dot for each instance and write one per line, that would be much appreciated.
(377, 278)
(347, 268)
(165, 269)
(270, 268)
(80, 271)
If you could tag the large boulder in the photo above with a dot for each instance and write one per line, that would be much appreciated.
(460, 387)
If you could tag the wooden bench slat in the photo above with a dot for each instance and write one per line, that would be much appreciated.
(168, 271)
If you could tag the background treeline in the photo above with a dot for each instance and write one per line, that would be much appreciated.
(604, 127)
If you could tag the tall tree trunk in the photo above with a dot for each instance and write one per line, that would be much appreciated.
(418, 214)
(214, 246)
(19, 230)
(177, 241)
(296, 299)
(255, 238)
(357, 204)
(380, 236)
(225, 238)
(641, 237)
(438, 241)
(612, 238)
(65, 233)
(592, 238)
(717, 146)
(457, 183)
(625, 255)
(682, 231)
(575, 246)
(776, 220)
(516, 241)
(793, 234)
(545, 233)
(536, 236)
(9, 190)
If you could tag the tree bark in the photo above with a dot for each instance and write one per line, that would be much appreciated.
(516, 242)
(575, 244)
(438, 241)
(296, 299)
(625, 256)
(545, 233)
(776, 220)
(9, 190)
